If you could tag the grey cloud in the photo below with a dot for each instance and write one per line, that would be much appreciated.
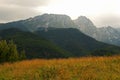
(16, 13)
(19, 9)
(28, 3)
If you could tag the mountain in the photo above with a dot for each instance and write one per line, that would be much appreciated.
(45, 21)
(76, 42)
(86, 26)
(17, 24)
(53, 35)
(105, 34)
(118, 29)
(51, 20)
(109, 35)
(35, 46)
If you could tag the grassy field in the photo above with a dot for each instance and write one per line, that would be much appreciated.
(89, 68)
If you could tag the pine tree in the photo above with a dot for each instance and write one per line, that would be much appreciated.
(13, 53)
(4, 50)
(22, 55)
(9, 52)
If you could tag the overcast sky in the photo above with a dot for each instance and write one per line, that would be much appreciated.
(101, 12)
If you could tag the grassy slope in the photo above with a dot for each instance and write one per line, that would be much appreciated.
(90, 68)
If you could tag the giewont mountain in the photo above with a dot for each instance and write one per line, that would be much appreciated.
(42, 21)
(57, 29)
(85, 25)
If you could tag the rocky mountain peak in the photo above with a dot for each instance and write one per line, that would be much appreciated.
(84, 20)
(47, 17)
(85, 25)
(108, 29)
(50, 20)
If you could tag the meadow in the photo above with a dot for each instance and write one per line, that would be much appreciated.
(85, 68)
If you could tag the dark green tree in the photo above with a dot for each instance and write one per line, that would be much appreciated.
(22, 55)
(9, 52)
(13, 53)
(4, 50)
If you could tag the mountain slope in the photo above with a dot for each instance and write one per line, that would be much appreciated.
(45, 20)
(35, 46)
(86, 26)
(108, 35)
(50, 20)
(75, 42)
(104, 34)
(55, 27)
(118, 29)
(17, 24)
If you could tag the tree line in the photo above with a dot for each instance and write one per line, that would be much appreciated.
(9, 52)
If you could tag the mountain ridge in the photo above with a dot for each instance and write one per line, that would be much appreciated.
(84, 24)
(108, 34)
(35, 46)
(75, 41)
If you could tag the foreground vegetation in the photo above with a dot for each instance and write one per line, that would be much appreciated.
(9, 52)
(89, 68)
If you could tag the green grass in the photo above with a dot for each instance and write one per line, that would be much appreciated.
(87, 68)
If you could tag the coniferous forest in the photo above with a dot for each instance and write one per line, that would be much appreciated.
(9, 52)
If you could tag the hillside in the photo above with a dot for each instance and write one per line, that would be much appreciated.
(45, 20)
(76, 42)
(17, 24)
(89, 68)
(59, 30)
(86, 26)
(35, 46)
(109, 35)
(106, 34)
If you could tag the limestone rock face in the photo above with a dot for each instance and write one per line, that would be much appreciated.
(105, 34)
